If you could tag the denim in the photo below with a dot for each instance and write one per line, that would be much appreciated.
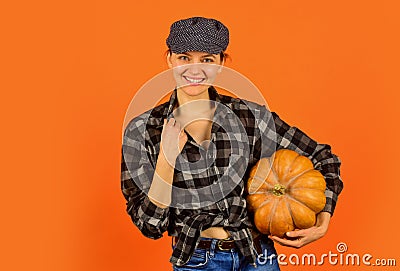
(230, 260)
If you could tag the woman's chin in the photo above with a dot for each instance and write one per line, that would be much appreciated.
(194, 90)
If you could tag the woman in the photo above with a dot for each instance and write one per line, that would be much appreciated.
(164, 150)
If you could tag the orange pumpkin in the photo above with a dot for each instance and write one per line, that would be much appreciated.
(285, 193)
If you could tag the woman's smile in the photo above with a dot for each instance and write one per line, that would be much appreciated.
(194, 80)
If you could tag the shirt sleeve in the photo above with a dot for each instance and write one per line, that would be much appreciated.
(136, 176)
(290, 137)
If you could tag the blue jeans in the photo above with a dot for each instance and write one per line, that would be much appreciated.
(231, 260)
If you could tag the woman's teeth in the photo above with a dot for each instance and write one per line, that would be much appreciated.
(192, 80)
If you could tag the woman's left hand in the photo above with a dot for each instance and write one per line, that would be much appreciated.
(300, 238)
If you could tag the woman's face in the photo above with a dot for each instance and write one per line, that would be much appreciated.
(194, 72)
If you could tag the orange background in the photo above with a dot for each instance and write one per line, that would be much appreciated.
(70, 70)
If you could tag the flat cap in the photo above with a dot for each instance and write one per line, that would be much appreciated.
(198, 34)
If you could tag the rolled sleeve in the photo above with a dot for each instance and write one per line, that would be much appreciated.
(329, 165)
(136, 176)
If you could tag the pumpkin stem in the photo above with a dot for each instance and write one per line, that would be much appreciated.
(279, 190)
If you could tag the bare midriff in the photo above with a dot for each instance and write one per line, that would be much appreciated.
(215, 232)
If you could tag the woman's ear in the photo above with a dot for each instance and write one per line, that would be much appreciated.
(168, 58)
(221, 65)
(222, 57)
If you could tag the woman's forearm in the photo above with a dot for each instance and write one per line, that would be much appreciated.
(323, 219)
(161, 187)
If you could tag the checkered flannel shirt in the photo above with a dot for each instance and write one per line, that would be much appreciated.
(142, 138)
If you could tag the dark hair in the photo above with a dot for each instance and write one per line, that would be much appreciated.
(223, 56)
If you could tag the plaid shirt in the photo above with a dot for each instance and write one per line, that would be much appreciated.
(141, 148)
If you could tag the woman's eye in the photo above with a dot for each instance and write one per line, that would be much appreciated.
(208, 60)
(184, 58)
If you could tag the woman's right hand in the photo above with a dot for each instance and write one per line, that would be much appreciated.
(172, 140)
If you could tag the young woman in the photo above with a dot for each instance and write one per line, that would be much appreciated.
(166, 177)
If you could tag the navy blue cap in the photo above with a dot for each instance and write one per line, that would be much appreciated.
(198, 34)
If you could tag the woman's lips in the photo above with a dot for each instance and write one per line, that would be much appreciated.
(194, 80)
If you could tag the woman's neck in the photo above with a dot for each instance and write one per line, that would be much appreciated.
(194, 106)
(183, 98)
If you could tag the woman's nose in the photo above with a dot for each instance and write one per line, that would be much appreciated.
(195, 68)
